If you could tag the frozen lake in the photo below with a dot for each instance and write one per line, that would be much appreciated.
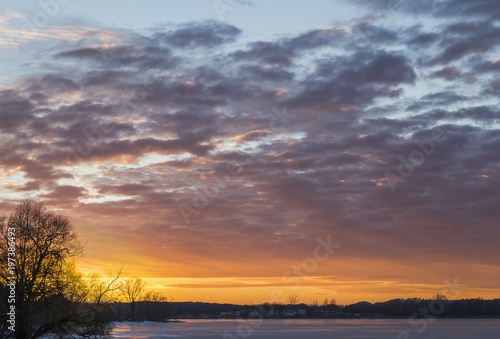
(315, 328)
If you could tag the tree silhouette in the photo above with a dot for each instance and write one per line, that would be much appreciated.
(102, 290)
(155, 306)
(51, 296)
(156, 297)
(293, 299)
(439, 296)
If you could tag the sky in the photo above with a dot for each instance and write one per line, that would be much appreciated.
(241, 151)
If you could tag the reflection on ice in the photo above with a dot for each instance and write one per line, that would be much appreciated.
(315, 328)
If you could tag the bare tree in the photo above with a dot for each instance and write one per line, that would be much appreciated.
(439, 296)
(156, 306)
(156, 297)
(102, 290)
(50, 295)
(293, 299)
(133, 291)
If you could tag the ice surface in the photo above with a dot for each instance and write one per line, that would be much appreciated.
(319, 329)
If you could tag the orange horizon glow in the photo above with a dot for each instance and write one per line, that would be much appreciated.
(200, 286)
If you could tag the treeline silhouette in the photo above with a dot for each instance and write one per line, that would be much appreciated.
(478, 307)
(413, 307)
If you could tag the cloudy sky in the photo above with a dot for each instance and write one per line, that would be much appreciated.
(211, 146)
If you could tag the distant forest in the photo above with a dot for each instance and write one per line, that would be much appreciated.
(415, 307)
